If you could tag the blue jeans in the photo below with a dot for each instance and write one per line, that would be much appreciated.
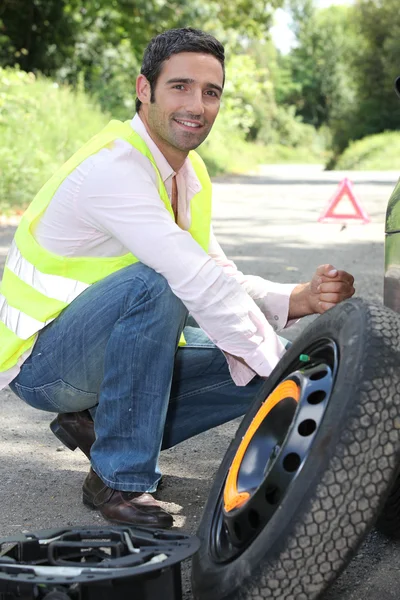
(114, 348)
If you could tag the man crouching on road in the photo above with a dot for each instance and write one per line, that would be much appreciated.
(109, 259)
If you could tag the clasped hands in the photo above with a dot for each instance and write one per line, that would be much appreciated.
(328, 287)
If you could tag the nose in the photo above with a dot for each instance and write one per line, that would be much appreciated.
(195, 104)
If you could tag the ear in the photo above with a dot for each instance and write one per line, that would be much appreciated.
(143, 89)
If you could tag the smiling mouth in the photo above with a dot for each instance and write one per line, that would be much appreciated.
(188, 124)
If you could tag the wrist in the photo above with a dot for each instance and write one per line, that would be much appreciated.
(300, 301)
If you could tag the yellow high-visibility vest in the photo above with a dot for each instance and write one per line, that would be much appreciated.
(37, 284)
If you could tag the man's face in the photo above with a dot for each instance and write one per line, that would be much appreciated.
(186, 100)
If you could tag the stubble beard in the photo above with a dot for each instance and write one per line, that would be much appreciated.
(166, 130)
(184, 140)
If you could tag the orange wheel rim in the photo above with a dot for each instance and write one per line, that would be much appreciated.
(232, 497)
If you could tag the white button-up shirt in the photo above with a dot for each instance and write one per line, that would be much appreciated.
(110, 205)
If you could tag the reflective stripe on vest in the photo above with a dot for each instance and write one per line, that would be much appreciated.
(37, 284)
(25, 282)
(19, 322)
(60, 288)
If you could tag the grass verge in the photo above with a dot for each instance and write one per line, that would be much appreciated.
(379, 152)
(41, 126)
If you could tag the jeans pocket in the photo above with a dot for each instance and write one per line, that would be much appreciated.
(57, 396)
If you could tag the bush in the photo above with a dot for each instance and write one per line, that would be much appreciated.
(227, 151)
(41, 125)
(376, 152)
(287, 129)
(109, 78)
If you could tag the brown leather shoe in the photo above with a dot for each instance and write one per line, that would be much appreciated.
(132, 508)
(75, 430)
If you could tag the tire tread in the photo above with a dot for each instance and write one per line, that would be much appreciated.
(345, 503)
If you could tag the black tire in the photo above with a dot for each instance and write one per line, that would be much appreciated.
(388, 521)
(342, 483)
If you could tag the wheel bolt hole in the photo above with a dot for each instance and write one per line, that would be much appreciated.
(291, 462)
(272, 495)
(254, 519)
(307, 427)
(319, 375)
(316, 397)
(238, 530)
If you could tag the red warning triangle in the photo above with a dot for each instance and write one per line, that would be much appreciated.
(332, 214)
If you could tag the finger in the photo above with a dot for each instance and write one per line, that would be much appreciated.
(339, 287)
(336, 297)
(332, 298)
(324, 306)
(327, 270)
(341, 276)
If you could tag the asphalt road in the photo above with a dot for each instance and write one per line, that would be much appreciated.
(267, 223)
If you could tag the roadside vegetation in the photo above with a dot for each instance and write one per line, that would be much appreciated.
(67, 66)
(41, 125)
(377, 152)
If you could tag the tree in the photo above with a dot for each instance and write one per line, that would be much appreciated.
(99, 43)
(376, 65)
(41, 34)
(322, 82)
(37, 34)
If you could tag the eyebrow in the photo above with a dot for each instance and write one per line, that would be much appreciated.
(188, 80)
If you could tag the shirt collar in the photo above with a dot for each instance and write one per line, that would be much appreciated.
(166, 171)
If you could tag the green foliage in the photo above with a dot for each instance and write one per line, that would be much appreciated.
(322, 85)
(49, 31)
(99, 43)
(376, 152)
(375, 67)
(41, 125)
(107, 72)
(343, 68)
(251, 120)
(338, 77)
(287, 129)
(36, 34)
(278, 154)
(248, 95)
(227, 152)
(96, 46)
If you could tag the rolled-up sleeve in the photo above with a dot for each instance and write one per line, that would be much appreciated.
(271, 297)
(125, 204)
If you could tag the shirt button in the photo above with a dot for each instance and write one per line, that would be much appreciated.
(276, 317)
(275, 327)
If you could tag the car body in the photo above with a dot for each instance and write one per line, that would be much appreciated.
(391, 293)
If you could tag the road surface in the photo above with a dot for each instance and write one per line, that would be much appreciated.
(266, 222)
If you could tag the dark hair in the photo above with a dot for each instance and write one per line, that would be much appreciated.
(175, 41)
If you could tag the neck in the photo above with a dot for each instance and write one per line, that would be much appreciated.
(174, 156)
